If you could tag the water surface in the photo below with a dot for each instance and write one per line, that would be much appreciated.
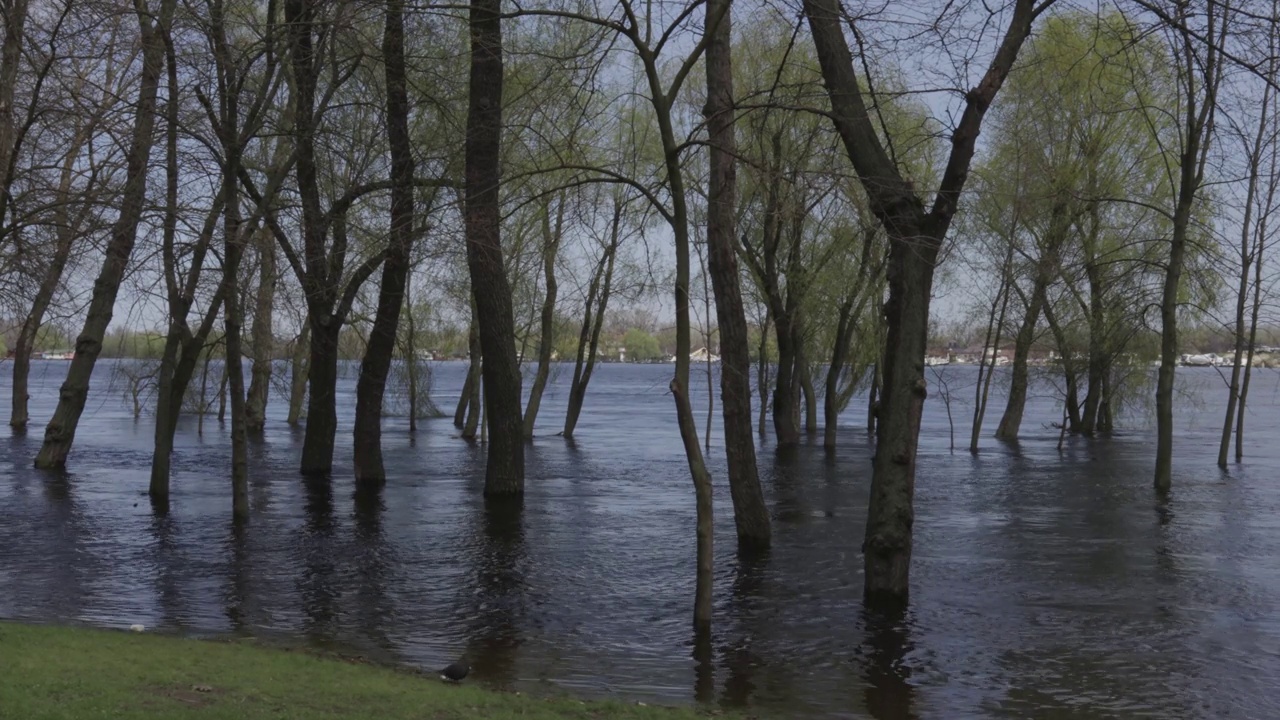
(1046, 583)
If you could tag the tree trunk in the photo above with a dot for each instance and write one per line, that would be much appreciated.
(784, 406)
(504, 471)
(873, 399)
(229, 132)
(69, 230)
(464, 399)
(234, 369)
(60, 433)
(915, 237)
(471, 388)
(592, 323)
(750, 514)
(550, 247)
(25, 343)
(1011, 421)
(222, 390)
(395, 271)
(1253, 334)
(204, 391)
(1099, 364)
(1199, 81)
(762, 375)
(1248, 257)
(1169, 348)
(263, 338)
(831, 393)
(15, 20)
(1071, 395)
(992, 341)
(887, 547)
(299, 370)
(322, 388)
(410, 352)
(1046, 266)
(805, 376)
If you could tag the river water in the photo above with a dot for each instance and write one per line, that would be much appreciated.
(1045, 583)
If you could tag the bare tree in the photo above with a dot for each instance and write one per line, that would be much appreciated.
(60, 433)
(553, 232)
(395, 271)
(1261, 150)
(1200, 70)
(490, 289)
(750, 514)
(915, 236)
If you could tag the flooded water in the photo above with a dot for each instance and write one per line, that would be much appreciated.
(1046, 583)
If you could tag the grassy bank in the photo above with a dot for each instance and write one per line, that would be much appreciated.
(61, 672)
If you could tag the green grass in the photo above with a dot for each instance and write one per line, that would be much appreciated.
(49, 672)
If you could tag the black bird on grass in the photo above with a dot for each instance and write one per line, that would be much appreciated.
(455, 673)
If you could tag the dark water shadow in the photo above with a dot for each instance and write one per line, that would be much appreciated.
(166, 541)
(497, 613)
(786, 475)
(374, 556)
(317, 587)
(740, 659)
(888, 693)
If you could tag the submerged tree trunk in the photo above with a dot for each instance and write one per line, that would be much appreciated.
(471, 389)
(805, 377)
(1011, 421)
(1253, 324)
(831, 393)
(873, 399)
(992, 342)
(915, 237)
(222, 389)
(550, 247)
(232, 316)
(1250, 257)
(60, 433)
(298, 371)
(263, 338)
(1070, 378)
(1099, 361)
(409, 349)
(592, 323)
(322, 388)
(395, 271)
(504, 470)
(762, 375)
(751, 516)
(784, 391)
(464, 409)
(229, 132)
(49, 285)
(1199, 82)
